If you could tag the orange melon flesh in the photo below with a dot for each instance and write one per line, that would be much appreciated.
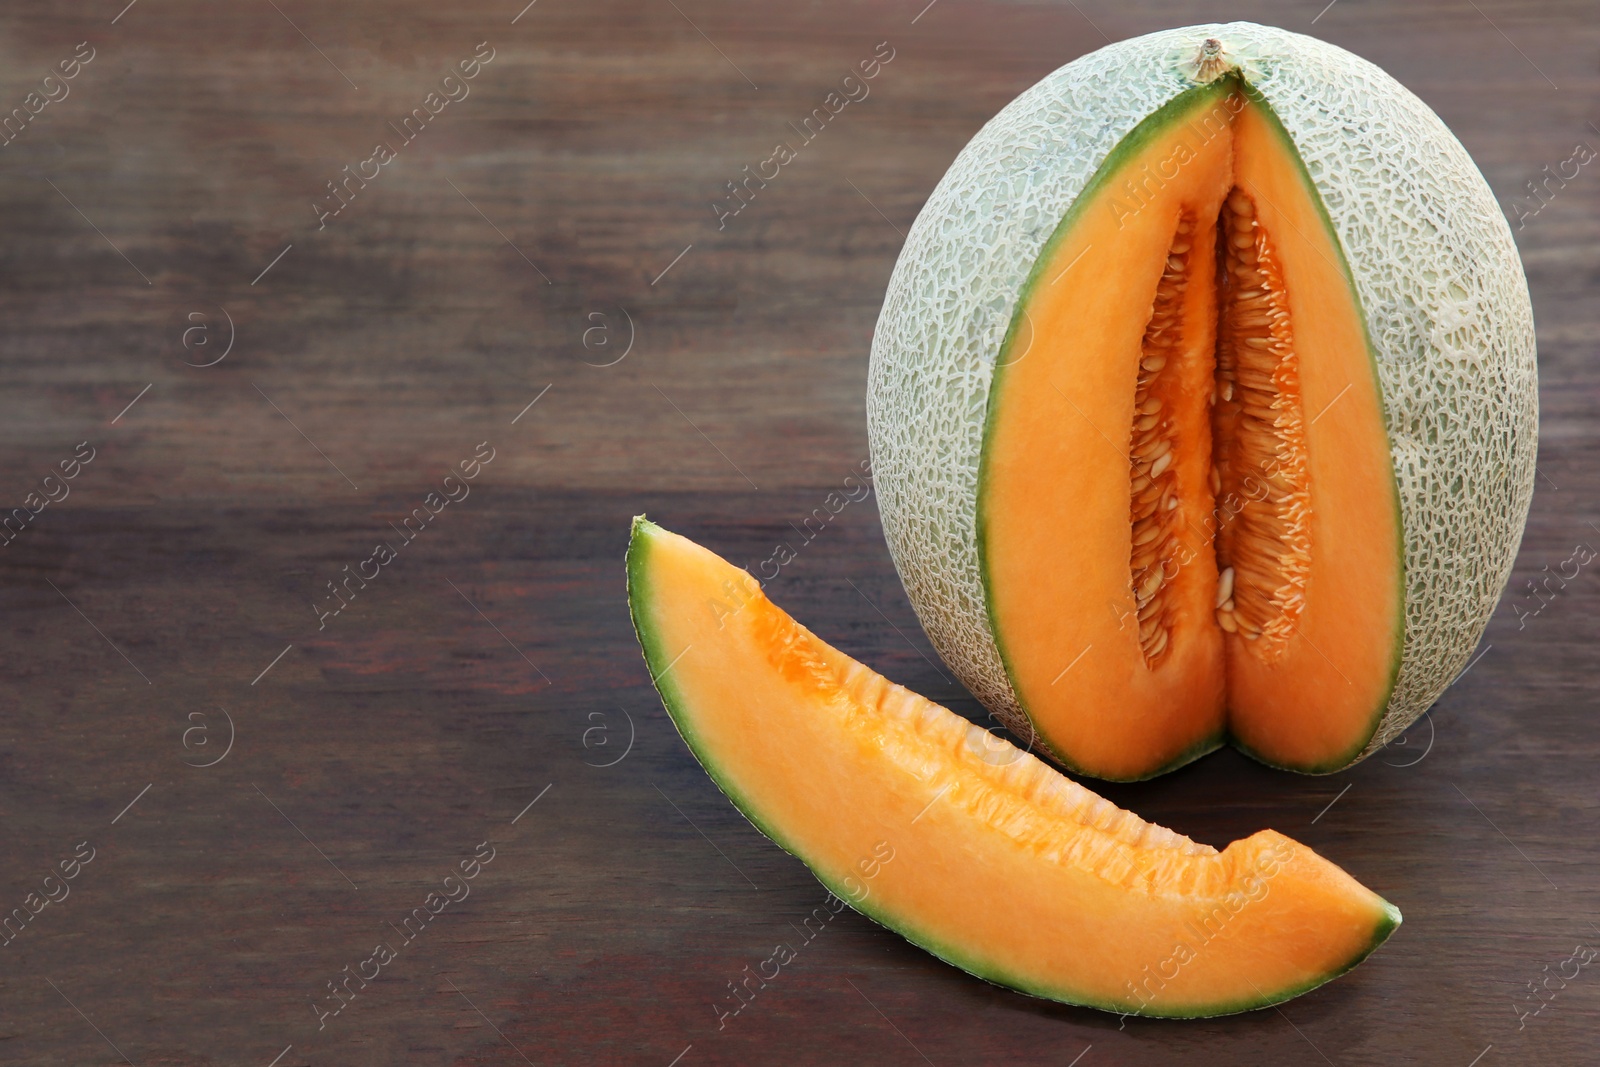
(968, 847)
(1195, 282)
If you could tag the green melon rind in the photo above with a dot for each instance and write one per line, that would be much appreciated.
(1450, 321)
(679, 710)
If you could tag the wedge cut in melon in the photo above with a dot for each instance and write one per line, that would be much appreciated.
(1200, 490)
(1226, 533)
(964, 844)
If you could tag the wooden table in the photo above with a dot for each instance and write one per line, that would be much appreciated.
(475, 690)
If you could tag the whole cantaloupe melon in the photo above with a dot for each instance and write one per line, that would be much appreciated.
(1203, 406)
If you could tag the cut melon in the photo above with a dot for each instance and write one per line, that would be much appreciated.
(1203, 406)
(965, 845)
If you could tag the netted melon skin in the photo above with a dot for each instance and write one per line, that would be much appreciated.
(1435, 269)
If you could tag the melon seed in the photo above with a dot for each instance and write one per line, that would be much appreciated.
(1225, 586)
(1151, 583)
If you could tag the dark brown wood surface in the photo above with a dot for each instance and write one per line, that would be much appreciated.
(509, 251)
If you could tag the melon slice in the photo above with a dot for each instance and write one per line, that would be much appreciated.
(1251, 457)
(965, 845)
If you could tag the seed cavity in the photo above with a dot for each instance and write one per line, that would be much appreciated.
(1257, 473)
(1263, 515)
(1152, 478)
